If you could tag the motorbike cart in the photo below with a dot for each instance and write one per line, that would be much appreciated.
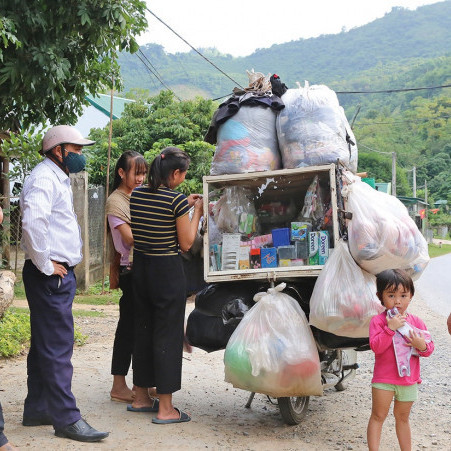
(276, 198)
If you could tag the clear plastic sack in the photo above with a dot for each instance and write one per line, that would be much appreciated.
(344, 297)
(272, 351)
(227, 211)
(381, 233)
(312, 129)
(247, 142)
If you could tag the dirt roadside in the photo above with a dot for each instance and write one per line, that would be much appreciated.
(336, 421)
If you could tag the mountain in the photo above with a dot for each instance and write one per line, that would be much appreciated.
(399, 42)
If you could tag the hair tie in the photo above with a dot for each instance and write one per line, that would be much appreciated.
(162, 156)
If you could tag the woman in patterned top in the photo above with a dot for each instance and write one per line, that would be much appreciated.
(161, 229)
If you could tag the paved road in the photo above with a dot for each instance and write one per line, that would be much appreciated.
(434, 285)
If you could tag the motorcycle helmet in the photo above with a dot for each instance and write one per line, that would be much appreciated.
(63, 134)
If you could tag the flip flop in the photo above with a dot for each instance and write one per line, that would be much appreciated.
(184, 417)
(153, 408)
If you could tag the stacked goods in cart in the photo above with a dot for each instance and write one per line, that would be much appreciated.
(250, 229)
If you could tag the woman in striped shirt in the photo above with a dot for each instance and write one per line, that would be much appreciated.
(161, 228)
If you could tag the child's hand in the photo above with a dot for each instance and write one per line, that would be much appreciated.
(416, 341)
(396, 322)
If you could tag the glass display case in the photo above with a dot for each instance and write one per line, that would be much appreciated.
(269, 225)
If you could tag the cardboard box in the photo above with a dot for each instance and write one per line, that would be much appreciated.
(269, 257)
(313, 240)
(323, 250)
(215, 257)
(281, 237)
(243, 262)
(285, 262)
(300, 231)
(255, 258)
(230, 250)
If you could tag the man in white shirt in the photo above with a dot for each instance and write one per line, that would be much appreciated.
(52, 243)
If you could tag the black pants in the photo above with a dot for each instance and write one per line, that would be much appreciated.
(49, 366)
(160, 302)
(3, 439)
(123, 340)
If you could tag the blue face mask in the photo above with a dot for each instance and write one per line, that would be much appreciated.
(74, 162)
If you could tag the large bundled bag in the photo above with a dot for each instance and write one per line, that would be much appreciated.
(273, 351)
(381, 233)
(247, 142)
(312, 129)
(344, 297)
(219, 308)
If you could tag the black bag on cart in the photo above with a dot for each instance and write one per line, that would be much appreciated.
(219, 308)
(208, 332)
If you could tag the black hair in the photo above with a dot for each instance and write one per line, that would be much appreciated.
(163, 165)
(125, 163)
(393, 278)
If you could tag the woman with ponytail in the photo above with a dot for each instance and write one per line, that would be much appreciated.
(130, 172)
(162, 229)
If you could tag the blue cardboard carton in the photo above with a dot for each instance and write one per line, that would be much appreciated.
(269, 257)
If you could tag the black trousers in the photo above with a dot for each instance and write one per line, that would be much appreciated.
(3, 439)
(160, 301)
(123, 340)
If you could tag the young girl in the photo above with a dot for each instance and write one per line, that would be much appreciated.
(394, 289)
(130, 171)
(161, 228)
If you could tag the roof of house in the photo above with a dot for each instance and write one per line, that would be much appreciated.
(441, 202)
(103, 103)
(384, 187)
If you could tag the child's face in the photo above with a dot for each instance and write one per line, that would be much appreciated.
(398, 297)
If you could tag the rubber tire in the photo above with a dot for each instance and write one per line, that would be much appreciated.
(293, 409)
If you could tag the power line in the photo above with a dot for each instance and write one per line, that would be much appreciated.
(197, 51)
(374, 150)
(393, 90)
(157, 77)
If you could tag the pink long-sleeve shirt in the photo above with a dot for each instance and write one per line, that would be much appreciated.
(381, 342)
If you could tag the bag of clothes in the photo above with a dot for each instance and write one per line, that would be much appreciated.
(312, 129)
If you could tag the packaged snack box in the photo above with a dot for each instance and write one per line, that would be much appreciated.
(313, 248)
(269, 257)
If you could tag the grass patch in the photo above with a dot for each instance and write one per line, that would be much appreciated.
(93, 296)
(87, 314)
(436, 251)
(15, 331)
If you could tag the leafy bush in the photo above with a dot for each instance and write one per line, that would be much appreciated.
(15, 333)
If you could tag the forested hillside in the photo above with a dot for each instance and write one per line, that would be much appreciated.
(403, 50)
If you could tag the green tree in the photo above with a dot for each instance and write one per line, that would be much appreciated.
(148, 127)
(55, 53)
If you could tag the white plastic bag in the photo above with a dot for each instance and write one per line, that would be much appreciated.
(272, 350)
(381, 233)
(247, 142)
(312, 129)
(344, 297)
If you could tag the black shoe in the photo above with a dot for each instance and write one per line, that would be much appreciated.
(40, 420)
(81, 431)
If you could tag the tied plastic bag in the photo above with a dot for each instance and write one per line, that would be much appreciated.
(272, 351)
(344, 297)
(381, 233)
(312, 129)
(229, 209)
(247, 142)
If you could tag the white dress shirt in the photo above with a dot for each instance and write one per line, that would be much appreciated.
(50, 230)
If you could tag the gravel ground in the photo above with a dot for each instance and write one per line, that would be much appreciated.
(335, 421)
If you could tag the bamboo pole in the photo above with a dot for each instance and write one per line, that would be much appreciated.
(107, 188)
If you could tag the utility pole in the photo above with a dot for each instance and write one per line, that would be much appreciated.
(414, 188)
(426, 209)
(393, 174)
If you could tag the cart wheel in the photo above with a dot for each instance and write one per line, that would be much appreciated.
(293, 409)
